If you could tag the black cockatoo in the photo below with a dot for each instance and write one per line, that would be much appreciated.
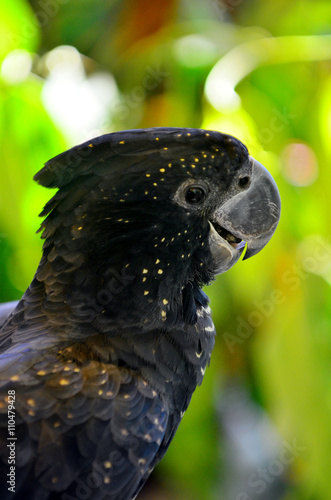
(100, 357)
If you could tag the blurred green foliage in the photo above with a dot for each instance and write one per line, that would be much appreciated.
(257, 70)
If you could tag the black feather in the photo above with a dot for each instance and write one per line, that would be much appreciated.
(114, 333)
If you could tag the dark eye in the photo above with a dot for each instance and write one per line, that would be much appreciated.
(195, 194)
(244, 181)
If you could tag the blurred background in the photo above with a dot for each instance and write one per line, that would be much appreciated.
(259, 428)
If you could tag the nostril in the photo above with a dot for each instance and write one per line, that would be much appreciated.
(244, 181)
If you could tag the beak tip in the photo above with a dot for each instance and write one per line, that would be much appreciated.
(250, 252)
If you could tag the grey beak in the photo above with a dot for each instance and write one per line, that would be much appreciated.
(253, 214)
